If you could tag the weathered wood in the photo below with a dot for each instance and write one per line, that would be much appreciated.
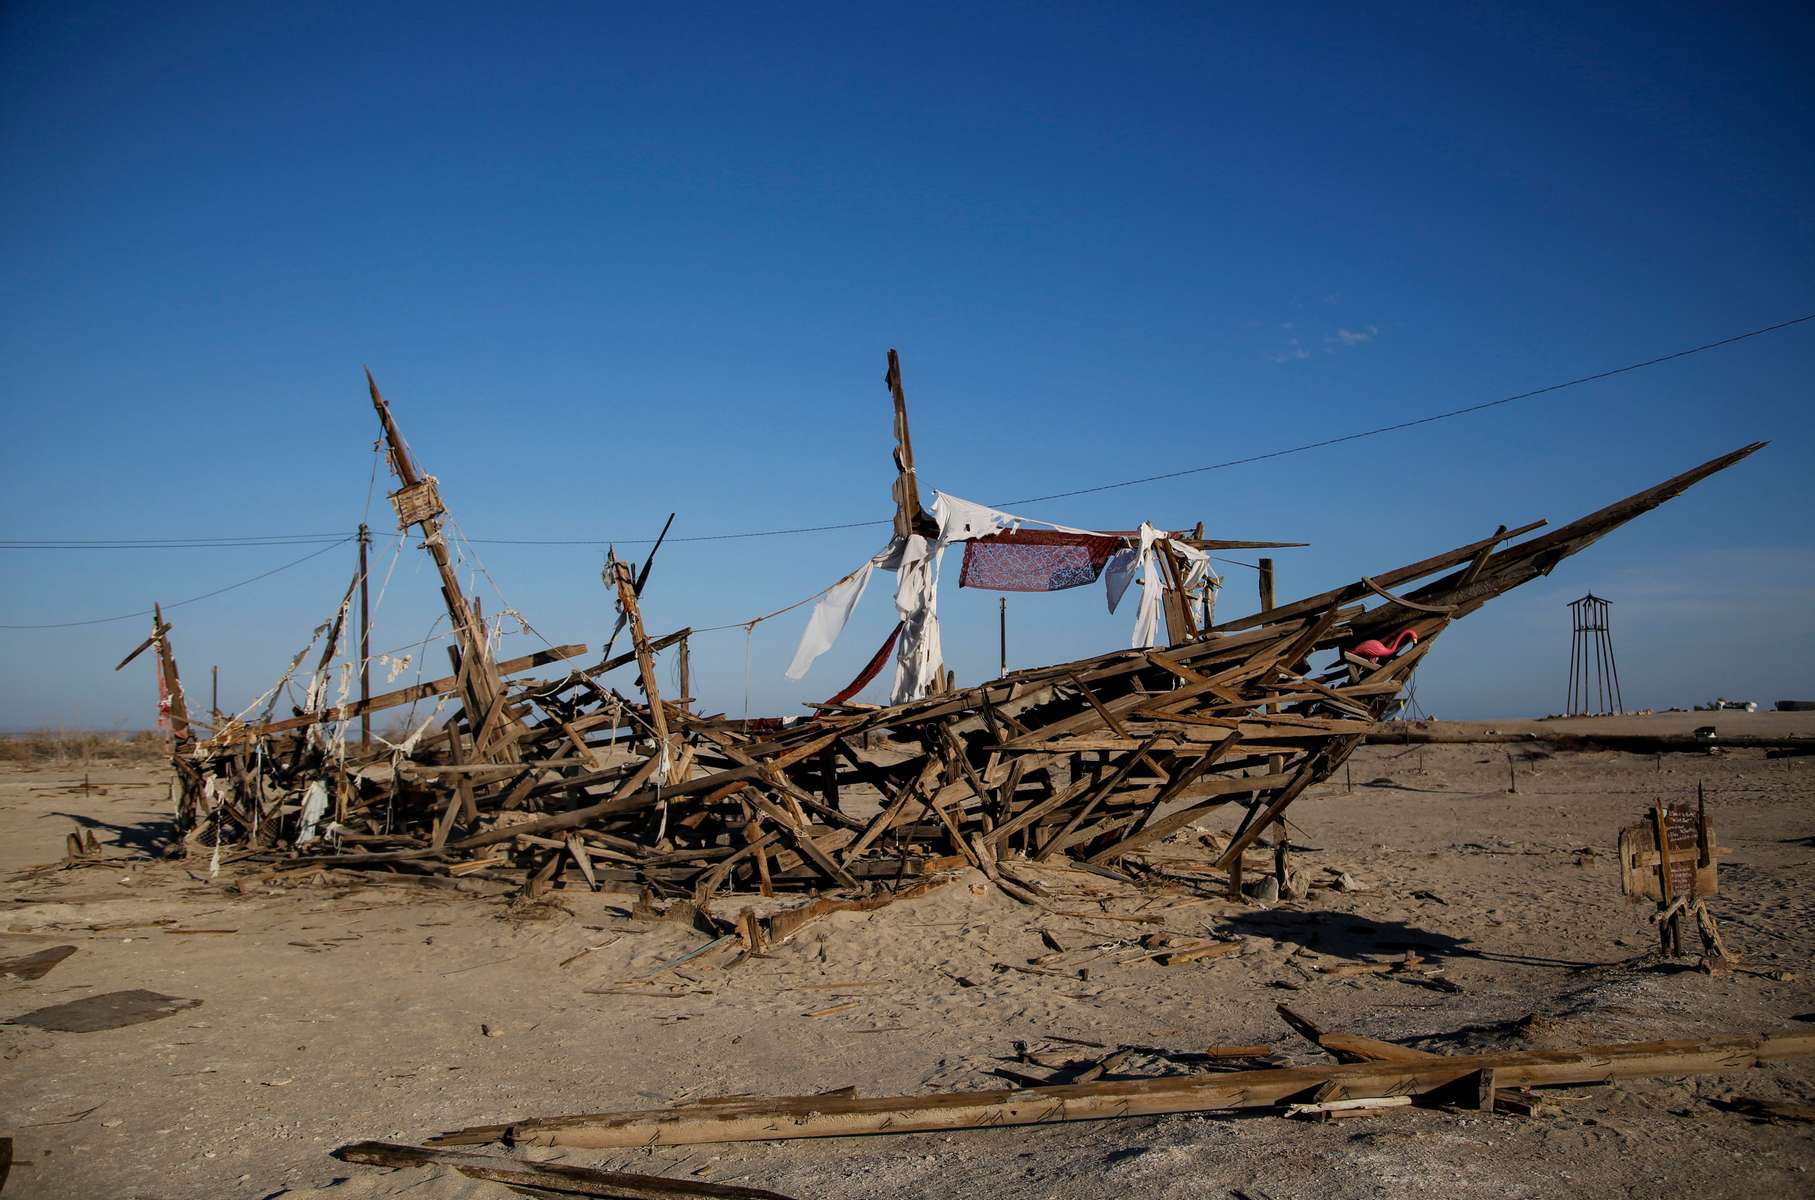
(776, 1118)
(558, 1178)
(409, 695)
(620, 579)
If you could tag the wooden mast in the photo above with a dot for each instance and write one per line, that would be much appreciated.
(167, 677)
(909, 516)
(418, 503)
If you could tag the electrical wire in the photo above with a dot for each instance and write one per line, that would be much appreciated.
(146, 612)
(1305, 447)
(173, 543)
(1252, 458)
(338, 540)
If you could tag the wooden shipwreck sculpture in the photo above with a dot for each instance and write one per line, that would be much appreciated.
(1089, 761)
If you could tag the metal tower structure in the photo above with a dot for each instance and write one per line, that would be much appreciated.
(1593, 677)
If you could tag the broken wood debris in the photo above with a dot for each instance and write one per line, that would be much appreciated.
(566, 781)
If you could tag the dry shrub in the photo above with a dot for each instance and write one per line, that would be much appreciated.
(74, 747)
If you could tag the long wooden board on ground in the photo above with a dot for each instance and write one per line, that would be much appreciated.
(821, 1116)
(546, 1178)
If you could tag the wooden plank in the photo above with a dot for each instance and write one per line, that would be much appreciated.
(1094, 798)
(628, 801)
(818, 1116)
(545, 1178)
(1350, 1047)
(639, 640)
(420, 691)
(1306, 775)
(1355, 591)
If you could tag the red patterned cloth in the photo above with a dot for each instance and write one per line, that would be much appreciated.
(1035, 560)
(870, 668)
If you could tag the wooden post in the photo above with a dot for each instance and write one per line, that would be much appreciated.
(1002, 616)
(1275, 762)
(365, 641)
(686, 700)
(214, 699)
(1181, 625)
(627, 602)
(1670, 929)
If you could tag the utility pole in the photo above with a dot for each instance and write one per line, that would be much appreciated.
(365, 641)
(1002, 614)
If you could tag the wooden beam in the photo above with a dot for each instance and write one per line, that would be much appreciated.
(544, 1178)
(627, 604)
(415, 692)
(909, 516)
(776, 1118)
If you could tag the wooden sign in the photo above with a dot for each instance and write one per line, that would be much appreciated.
(417, 502)
(1670, 855)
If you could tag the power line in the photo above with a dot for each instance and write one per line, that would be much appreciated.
(1442, 416)
(172, 544)
(1377, 431)
(145, 612)
(699, 537)
(1271, 454)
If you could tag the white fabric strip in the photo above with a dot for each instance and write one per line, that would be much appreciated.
(831, 614)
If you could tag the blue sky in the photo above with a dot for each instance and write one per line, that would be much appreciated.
(609, 262)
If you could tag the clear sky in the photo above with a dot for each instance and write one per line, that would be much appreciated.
(613, 261)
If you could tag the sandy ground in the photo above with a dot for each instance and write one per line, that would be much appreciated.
(337, 1012)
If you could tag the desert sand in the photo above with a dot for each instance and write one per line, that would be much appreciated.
(333, 1009)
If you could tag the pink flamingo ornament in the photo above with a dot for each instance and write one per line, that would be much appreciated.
(1374, 649)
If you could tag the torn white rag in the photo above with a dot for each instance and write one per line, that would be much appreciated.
(831, 614)
(1147, 618)
(962, 520)
(919, 659)
(1118, 573)
(314, 807)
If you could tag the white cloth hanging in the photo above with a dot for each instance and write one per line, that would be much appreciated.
(1147, 616)
(314, 807)
(1147, 558)
(831, 614)
(919, 661)
(1118, 573)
